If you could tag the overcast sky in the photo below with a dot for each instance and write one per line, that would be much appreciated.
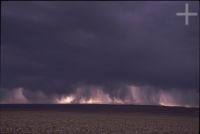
(55, 49)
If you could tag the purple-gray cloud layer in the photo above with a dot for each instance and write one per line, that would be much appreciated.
(54, 47)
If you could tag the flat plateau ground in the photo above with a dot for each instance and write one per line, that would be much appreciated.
(97, 119)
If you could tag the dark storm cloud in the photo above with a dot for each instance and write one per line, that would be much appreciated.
(55, 47)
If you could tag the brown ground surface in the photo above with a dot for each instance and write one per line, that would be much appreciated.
(111, 122)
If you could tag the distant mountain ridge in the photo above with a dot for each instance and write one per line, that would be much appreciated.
(149, 109)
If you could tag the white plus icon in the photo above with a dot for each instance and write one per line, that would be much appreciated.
(186, 14)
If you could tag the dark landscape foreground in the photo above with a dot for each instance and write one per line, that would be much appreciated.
(97, 119)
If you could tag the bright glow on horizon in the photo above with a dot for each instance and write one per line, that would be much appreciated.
(166, 100)
(97, 96)
(66, 99)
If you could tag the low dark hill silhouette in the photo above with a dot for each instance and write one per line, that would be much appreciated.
(103, 108)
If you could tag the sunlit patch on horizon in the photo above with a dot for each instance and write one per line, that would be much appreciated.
(97, 95)
(65, 99)
(136, 96)
(167, 100)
